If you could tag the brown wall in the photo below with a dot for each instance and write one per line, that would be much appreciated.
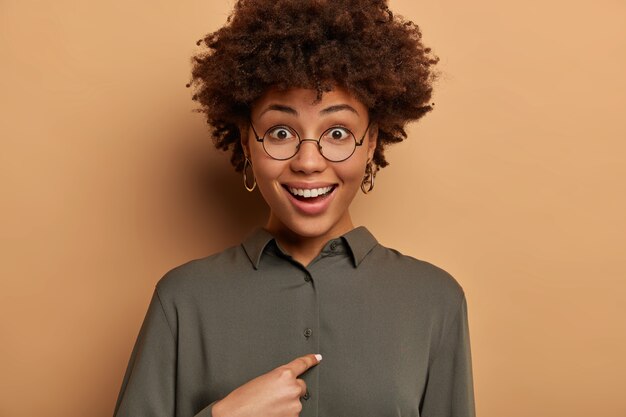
(514, 184)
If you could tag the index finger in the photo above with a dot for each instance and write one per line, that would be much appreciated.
(301, 364)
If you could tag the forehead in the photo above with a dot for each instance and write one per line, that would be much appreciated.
(304, 101)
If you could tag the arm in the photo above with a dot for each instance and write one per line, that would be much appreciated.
(149, 385)
(449, 389)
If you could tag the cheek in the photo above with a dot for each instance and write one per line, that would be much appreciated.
(266, 173)
(352, 174)
(264, 167)
(358, 164)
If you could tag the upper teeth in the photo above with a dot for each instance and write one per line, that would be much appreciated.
(309, 192)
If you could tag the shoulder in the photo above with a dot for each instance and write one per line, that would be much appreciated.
(432, 282)
(196, 274)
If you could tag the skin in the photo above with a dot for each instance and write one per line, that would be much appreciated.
(301, 231)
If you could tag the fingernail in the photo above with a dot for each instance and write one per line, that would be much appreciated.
(318, 357)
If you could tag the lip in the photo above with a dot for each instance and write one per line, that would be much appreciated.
(311, 208)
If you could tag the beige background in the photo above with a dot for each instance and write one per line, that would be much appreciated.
(514, 184)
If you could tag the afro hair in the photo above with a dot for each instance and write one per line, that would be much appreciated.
(359, 44)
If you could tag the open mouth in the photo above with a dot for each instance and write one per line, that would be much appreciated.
(310, 194)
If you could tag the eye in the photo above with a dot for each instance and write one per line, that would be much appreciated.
(337, 134)
(280, 134)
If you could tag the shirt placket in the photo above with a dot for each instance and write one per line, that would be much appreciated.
(316, 274)
(311, 344)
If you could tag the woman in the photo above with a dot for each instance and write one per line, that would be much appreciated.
(309, 316)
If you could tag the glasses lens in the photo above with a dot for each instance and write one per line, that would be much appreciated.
(337, 144)
(281, 142)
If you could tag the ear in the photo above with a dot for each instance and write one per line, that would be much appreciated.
(245, 140)
(372, 141)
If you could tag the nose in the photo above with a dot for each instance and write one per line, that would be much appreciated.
(308, 159)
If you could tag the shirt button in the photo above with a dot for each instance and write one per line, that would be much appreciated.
(306, 395)
(308, 332)
(333, 245)
(307, 278)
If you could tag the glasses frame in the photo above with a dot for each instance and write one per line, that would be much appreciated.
(300, 140)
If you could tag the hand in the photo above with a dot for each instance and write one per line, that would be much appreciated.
(274, 394)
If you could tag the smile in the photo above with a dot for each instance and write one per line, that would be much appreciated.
(310, 192)
(313, 200)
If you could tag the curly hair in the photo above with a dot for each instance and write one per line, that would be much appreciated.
(359, 44)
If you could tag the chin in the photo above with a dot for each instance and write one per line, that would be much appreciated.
(310, 228)
(317, 227)
(303, 227)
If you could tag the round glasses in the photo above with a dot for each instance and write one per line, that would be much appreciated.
(336, 144)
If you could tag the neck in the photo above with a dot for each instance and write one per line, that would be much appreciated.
(305, 248)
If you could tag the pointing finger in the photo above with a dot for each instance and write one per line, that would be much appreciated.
(301, 364)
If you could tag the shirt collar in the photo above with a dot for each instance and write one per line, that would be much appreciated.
(359, 240)
(255, 244)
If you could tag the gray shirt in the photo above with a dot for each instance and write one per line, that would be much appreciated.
(392, 330)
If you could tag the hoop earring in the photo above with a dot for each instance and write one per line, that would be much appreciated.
(368, 179)
(247, 164)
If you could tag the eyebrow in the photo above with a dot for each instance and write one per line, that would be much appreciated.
(338, 107)
(323, 112)
(281, 108)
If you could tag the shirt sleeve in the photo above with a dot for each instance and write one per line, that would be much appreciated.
(449, 388)
(149, 384)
